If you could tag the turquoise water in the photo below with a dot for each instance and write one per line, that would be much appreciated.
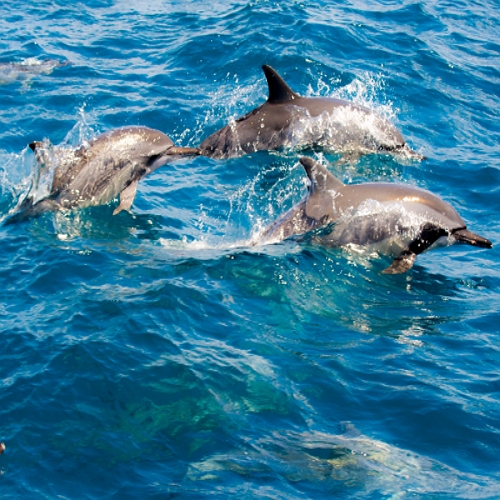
(158, 355)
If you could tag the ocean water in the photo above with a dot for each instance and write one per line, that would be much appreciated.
(157, 354)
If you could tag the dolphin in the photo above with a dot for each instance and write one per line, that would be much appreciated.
(109, 165)
(288, 120)
(27, 69)
(394, 219)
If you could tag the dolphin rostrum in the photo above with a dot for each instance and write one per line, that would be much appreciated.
(109, 165)
(397, 220)
(288, 120)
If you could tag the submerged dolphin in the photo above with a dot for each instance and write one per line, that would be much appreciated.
(398, 220)
(288, 120)
(112, 164)
(27, 69)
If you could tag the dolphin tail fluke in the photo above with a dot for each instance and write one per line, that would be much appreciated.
(466, 236)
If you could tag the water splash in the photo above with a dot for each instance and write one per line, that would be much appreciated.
(366, 89)
(16, 170)
(226, 104)
(28, 175)
(83, 130)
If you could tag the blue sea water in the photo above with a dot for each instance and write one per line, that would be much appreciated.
(157, 354)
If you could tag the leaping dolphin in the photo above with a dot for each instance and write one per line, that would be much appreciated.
(288, 120)
(398, 220)
(111, 164)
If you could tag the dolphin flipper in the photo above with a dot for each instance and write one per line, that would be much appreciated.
(401, 264)
(429, 234)
(127, 197)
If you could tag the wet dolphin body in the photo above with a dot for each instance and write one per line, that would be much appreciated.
(398, 220)
(27, 69)
(111, 164)
(287, 119)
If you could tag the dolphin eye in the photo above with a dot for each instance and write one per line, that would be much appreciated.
(386, 147)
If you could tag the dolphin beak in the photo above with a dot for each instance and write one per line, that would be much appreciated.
(161, 159)
(414, 155)
(179, 150)
(407, 151)
(466, 236)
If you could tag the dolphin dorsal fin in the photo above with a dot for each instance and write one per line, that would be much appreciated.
(322, 190)
(279, 91)
(321, 179)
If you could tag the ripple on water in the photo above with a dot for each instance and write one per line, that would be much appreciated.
(158, 353)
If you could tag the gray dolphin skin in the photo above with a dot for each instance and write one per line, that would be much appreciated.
(396, 220)
(288, 120)
(111, 164)
(27, 69)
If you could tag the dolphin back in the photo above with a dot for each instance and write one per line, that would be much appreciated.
(287, 120)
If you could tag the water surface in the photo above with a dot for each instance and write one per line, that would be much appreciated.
(158, 355)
